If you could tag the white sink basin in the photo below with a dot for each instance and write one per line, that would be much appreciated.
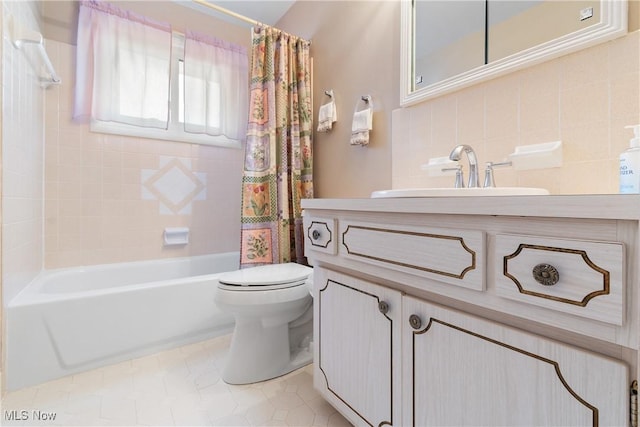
(459, 192)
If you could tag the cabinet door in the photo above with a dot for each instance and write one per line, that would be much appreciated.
(357, 330)
(464, 371)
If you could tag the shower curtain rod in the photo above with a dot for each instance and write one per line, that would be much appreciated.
(238, 16)
(226, 12)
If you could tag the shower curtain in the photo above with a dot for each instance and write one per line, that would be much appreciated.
(278, 151)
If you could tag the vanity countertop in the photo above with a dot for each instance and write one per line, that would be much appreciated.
(601, 206)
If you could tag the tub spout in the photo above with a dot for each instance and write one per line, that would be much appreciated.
(474, 179)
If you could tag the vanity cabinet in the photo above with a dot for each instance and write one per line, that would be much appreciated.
(358, 347)
(431, 313)
(462, 370)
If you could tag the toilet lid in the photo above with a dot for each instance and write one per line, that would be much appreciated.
(267, 275)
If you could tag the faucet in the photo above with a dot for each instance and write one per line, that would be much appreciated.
(489, 181)
(459, 176)
(474, 178)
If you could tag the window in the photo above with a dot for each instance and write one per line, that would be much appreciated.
(176, 127)
(134, 76)
(153, 112)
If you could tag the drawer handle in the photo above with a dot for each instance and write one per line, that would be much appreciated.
(546, 274)
(414, 321)
(383, 306)
(315, 235)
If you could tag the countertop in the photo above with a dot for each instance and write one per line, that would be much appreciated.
(600, 206)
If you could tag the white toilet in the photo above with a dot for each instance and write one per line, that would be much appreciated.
(273, 309)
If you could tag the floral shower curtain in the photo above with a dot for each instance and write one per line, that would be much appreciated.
(278, 155)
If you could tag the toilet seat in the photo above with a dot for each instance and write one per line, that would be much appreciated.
(265, 278)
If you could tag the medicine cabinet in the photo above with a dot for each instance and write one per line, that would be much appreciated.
(448, 45)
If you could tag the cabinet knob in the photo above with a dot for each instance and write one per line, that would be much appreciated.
(414, 321)
(315, 235)
(383, 306)
(546, 274)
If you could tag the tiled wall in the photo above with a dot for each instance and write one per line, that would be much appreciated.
(22, 155)
(109, 198)
(584, 99)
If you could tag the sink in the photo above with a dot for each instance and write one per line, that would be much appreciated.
(459, 192)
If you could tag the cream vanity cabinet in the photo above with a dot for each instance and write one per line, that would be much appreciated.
(359, 347)
(466, 311)
(465, 371)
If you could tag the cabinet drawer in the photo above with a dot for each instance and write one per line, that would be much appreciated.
(452, 256)
(320, 234)
(583, 278)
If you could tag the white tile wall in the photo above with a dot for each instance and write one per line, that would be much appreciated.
(22, 155)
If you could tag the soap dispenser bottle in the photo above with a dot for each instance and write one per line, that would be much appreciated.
(630, 164)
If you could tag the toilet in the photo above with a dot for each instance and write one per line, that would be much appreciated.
(273, 310)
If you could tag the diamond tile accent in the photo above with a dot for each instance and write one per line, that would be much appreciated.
(175, 185)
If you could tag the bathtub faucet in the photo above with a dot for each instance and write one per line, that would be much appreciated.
(474, 179)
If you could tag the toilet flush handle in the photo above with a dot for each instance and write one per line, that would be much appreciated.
(315, 235)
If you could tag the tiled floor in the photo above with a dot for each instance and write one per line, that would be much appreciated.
(179, 387)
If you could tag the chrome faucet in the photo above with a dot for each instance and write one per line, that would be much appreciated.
(489, 181)
(459, 176)
(474, 179)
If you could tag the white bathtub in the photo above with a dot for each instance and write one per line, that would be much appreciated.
(72, 320)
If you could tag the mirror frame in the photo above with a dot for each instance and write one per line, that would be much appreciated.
(613, 24)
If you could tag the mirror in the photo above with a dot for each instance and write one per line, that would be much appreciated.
(514, 25)
(452, 35)
(448, 45)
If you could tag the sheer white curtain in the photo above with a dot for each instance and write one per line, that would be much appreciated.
(122, 68)
(216, 84)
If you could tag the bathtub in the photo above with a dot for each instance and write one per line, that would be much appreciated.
(71, 320)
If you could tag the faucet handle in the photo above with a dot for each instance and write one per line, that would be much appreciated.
(489, 181)
(459, 175)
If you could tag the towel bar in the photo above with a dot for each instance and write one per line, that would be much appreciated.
(21, 36)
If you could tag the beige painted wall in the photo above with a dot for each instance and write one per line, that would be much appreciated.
(355, 45)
